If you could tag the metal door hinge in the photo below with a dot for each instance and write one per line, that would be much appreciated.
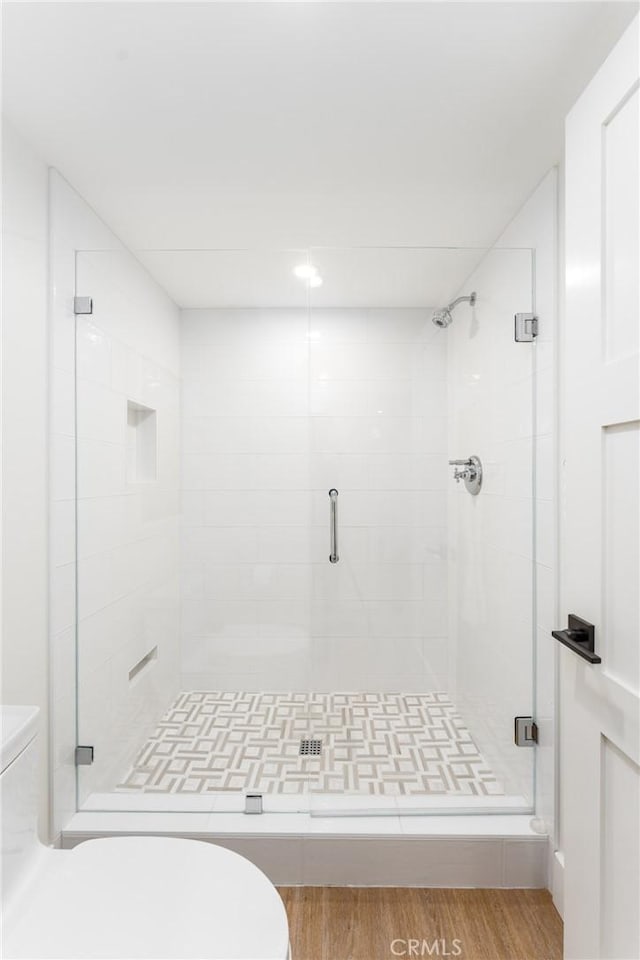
(253, 803)
(525, 731)
(84, 756)
(82, 305)
(526, 327)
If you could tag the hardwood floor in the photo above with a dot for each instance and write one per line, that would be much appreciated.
(379, 923)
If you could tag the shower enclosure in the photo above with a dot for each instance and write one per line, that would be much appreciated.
(287, 594)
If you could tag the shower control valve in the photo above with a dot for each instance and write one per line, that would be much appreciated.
(471, 473)
(460, 474)
(467, 474)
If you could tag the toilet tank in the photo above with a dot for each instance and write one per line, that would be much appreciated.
(18, 795)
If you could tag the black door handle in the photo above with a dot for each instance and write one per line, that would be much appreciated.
(580, 637)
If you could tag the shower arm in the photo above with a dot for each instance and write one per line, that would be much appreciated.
(470, 299)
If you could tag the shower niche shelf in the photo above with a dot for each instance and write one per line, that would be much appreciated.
(142, 666)
(142, 457)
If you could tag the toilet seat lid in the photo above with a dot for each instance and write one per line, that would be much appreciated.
(149, 897)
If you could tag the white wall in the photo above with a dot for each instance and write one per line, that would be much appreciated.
(502, 542)
(25, 658)
(134, 306)
(279, 406)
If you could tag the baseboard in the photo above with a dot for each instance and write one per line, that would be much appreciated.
(557, 881)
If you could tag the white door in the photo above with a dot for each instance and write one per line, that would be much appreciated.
(600, 519)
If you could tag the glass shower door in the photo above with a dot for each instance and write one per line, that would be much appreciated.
(127, 516)
(492, 390)
(430, 593)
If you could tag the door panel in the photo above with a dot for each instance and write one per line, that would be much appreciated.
(600, 564)
(620, 562)
(620, 779)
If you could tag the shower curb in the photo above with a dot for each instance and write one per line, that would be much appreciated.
(491, 852)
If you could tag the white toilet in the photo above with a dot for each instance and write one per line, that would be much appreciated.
(123, 896)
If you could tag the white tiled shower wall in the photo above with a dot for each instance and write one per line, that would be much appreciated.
(278, 407)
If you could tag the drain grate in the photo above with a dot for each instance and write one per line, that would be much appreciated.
(310, 748)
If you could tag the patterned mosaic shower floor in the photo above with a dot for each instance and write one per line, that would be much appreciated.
(382, 744)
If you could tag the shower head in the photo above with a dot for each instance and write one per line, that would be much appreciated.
(442, 318)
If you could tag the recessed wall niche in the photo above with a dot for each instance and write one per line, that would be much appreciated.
(142, 460)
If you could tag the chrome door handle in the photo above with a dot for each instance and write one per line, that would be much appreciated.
(333, 525)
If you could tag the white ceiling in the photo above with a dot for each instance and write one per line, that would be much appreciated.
(352, 278)
(282, 125)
